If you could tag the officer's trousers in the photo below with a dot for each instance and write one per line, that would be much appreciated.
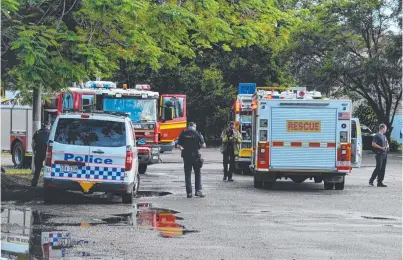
(189, 164)
(379, 171)
(38, 161)
(229, 158)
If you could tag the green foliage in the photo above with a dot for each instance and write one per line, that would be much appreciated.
(366, 116)
(346, 48)
(394, 146)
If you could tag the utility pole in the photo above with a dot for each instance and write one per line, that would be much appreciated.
(36, 109)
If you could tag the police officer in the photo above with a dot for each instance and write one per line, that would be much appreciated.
(231, 141)
(190, 141)
(39, 144)
(381, 146)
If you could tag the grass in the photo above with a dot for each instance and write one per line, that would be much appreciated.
(11, 171)
(5, 153)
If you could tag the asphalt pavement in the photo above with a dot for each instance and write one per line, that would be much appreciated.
(233, 221)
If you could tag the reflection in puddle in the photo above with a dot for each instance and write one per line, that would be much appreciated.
(28, 234)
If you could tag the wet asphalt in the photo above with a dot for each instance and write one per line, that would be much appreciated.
(233, 221)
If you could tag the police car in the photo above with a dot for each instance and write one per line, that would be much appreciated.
(92, 152)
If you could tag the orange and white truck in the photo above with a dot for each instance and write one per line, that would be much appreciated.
(299, 135)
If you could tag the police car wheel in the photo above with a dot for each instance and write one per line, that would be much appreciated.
(142, 168)
(127, 198)
(49, 195)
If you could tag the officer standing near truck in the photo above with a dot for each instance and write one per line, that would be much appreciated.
(190, 141)
(39, 144)
(231, 141)
(381, 146)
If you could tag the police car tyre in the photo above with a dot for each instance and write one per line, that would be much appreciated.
(49, 195)
(127, 198)
(328, 185)
(142, 168)
(339, 186)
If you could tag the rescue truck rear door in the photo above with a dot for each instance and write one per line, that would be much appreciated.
(356, 143)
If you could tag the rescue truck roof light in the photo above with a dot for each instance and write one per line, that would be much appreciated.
(246, 88)
(100, 84)
(143, 87)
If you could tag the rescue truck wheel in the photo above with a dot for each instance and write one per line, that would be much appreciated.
(339, 185)
(142, 168)
(136, 186)
(18, 156)
(238, 171)
(257, 184)
(269, 184)
(329, 185)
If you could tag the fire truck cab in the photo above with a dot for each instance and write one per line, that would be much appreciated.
(140, 102)
(299, 135)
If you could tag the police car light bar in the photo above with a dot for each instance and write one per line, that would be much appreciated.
(143, 87)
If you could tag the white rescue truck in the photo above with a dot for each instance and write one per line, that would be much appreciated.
(299, 135)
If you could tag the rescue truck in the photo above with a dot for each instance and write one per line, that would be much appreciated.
(299, 135)
(156, 125)
(242, 116)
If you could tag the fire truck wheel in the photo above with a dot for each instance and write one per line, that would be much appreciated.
(257, 184)
(329, 185)
(18, 156)
(339, 186)
(247, 171)
(142, 168)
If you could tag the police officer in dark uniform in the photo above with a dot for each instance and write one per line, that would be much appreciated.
(190, 141)
(39, 144)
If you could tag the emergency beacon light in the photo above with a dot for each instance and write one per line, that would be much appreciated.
(246, 88)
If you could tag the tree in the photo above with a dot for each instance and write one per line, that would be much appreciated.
(346, 48)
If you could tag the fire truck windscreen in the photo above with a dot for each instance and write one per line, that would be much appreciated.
(141, 110)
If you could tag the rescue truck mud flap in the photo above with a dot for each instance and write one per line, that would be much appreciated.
(70, 185)
(273, 176)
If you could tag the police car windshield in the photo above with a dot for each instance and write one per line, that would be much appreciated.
(141, 110)
(87, 132)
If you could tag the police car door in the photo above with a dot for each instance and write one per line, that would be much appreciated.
(356, 143)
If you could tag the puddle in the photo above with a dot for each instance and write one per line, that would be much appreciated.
(143, 193)
(378, 218)
(31, 234)
(24, 235)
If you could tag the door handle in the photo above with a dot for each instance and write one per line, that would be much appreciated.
(99, 151)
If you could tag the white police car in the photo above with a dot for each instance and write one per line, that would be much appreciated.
(94, 152)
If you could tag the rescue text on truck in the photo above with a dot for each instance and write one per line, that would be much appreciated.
(299, 135)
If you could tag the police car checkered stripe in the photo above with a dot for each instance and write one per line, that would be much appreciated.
(90, 172)
(55, 237)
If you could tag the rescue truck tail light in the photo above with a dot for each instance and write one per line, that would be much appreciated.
(48, 158)
(85, 116)
(263, 155)
(129, 158)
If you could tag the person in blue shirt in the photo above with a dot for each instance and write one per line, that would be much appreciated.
(381, 146)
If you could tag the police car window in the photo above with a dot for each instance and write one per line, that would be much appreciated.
(88, 132)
